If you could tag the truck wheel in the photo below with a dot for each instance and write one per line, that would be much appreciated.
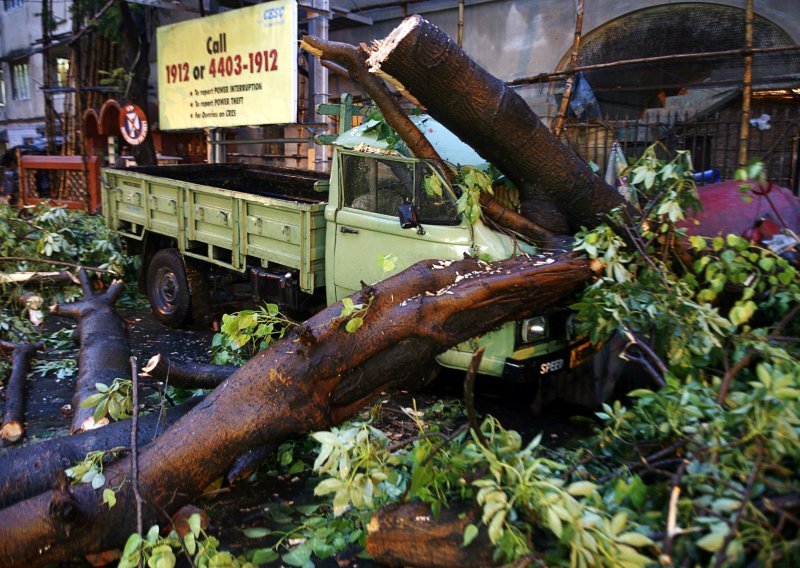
(168, 288)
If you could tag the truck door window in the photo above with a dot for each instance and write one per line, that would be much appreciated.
(376, 185)
(380, 185)
(434, 209)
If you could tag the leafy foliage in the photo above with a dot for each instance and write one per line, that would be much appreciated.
(355, 313)
(90, 469)
(156, 551)
(116, 400)
(472, 181)
(245, 333)
(375, 122)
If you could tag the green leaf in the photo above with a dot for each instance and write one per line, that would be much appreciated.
(581, 488)
(190, 543)
(327, 438)
(470, 532)
(697, 243)
(98, 481)
(152, 534)
(264, 556)
(298, 556)
(712, 542)
(132, 544)
(100, 411)
(110, 498)
(354, 324)
(92, 400)
(634, 539)
(195, 524)
(256, 532)
(554, 522)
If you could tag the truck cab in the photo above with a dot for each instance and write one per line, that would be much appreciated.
(369, 185)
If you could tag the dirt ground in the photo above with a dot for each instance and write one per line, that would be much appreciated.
(255, 502)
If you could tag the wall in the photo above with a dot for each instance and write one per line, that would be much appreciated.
(520, 38)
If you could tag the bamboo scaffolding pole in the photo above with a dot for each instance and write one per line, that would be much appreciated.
(558, 124)
(461, 22)
(747, 91)
(546, 77)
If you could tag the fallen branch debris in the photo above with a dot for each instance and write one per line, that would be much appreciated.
(14, 415)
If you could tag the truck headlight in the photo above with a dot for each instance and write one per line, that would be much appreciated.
(534, 329)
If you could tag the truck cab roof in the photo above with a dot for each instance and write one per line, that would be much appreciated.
(447, 144)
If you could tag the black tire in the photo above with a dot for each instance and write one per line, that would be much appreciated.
(168, 288)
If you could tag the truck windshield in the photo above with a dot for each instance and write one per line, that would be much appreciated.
(380, 185)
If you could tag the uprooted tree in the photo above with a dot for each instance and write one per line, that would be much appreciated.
(320, 374)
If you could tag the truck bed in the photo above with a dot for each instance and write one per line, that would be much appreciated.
(269, 181)
(231, 215)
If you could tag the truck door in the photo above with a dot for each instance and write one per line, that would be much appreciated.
(367, 226)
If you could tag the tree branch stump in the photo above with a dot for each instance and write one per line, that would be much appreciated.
(104, 347)
(408, 534)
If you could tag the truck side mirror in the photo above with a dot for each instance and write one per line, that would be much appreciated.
(407, 213)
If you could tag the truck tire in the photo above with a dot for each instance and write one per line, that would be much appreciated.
(168, 288)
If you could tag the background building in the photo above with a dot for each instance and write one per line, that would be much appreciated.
(687, 102)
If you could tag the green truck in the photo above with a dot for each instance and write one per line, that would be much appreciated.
(303, 239)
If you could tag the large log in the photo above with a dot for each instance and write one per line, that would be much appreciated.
(104, 347)
(35, 468)
(309, 380)
(557, 188)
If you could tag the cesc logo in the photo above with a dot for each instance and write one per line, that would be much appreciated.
(272, 17)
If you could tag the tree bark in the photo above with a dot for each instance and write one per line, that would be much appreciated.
(14, 411)
(104, 351)
(35, 468)
(408, 534)
(557, 188)
(186, 375)
(291, 388)
(353, 60)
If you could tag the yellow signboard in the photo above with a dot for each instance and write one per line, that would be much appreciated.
(237, 68)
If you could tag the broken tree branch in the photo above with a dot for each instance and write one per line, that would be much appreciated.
(14, 415)
(185, 374)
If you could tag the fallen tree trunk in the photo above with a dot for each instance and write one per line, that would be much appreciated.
(186, 375)
(290, 389)
(104, 348)
(36, 468)
(409, 534)
(14, 411)
(557, 188)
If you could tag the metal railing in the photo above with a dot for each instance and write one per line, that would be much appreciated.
(713, 140)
